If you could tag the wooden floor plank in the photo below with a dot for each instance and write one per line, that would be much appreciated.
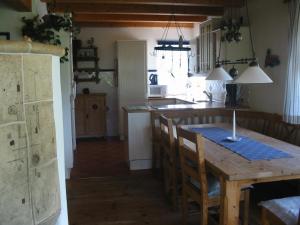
(102, 191)
(98, 158)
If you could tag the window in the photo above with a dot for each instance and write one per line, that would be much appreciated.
(172, 68)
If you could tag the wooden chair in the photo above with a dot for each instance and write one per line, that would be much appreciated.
(170, 160)
(285, 211)
(198, 185)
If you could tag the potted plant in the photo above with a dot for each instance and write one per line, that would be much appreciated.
(46, 29)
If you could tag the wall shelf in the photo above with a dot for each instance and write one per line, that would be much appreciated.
(86, 67)
(93, 79)
(87, 58)
(86, 61)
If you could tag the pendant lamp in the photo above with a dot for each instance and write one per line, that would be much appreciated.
(218, 73)
(253, 74)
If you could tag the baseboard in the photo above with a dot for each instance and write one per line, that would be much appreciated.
(143, 164)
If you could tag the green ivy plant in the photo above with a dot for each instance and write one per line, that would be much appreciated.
(46, 29)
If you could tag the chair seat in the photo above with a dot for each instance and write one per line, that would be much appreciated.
(287, 209)
(213, 185)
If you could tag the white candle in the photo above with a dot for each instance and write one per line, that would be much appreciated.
(233, 126)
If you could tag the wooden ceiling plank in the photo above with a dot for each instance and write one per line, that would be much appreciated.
(221, 3)
(133, 24)
(139, 9)
(80, 17)
(20, 5)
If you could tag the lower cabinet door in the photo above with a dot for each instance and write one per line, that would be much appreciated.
(90, 115)
(80, 115)
(95, 123)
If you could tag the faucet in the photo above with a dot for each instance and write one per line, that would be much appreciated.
(209, 95)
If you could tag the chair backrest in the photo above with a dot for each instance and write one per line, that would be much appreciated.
(253, 120)
(167, 136)
(285, 131)
(192, 160)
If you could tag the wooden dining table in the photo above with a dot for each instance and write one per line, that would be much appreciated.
(235, 171)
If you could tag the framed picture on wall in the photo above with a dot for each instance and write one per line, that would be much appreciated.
(4, 36)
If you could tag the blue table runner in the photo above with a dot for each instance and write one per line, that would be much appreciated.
(246, 147)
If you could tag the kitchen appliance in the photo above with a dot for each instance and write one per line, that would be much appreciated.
(157, 90)
(153, 79)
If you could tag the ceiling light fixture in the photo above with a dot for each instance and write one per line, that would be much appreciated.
(253, 74)
(166, 45)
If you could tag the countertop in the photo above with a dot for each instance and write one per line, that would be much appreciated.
(201, 105)
(171, 97)
(148, 108)
(137, 108)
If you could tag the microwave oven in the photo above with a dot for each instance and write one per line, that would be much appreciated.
(157, 90)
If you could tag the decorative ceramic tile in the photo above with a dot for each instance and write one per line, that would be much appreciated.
(29, 187)
(50, 220)
(45, 191)
(13, 156)
(10, 89)
(41, 132)
(15, 206)
(37, 77)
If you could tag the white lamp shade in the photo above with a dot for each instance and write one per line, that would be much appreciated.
(219, 73)
(253, 75)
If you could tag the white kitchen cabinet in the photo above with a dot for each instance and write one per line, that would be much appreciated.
(207, 48)
(138, 139)
(132, 76)
(194, 56)
(206, 54)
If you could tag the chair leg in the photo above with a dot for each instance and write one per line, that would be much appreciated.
(264, 218)
(174, 188)
(157, 160)
(204, 215)
(166, 177)
(246, 207)
(184, 208)
(161, 162)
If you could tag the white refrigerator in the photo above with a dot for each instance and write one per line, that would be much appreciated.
(132, 76)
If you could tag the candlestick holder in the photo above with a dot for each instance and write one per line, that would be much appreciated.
(233, 138)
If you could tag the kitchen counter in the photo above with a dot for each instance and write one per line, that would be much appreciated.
(181, 99)
(148, 107)
(201, 105)
(138, 127)
(137, 108)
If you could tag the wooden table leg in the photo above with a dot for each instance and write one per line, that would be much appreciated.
(230, 200)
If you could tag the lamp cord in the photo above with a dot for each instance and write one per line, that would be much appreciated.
(166, 31)
(177, 26)
(250, 31)
(220, 46)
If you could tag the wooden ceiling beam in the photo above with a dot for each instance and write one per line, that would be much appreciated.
(138, 9)
(80, 17)
(20, 5)
(133, 24)
(220, 3)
